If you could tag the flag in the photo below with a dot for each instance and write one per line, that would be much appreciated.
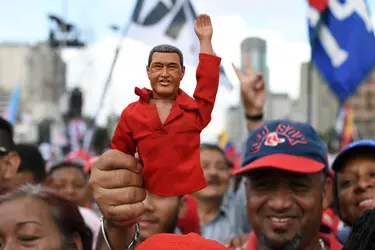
(345, 127)
(342, 43)
(229, 150)
(169, 22)
(11, 111)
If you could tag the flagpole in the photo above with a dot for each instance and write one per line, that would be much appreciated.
(113, 64)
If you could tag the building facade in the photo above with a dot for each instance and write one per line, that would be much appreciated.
(324, 105)
(40, 72)
(363, 105)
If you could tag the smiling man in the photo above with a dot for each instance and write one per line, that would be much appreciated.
(285, 169)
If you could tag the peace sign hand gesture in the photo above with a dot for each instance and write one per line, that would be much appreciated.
(252, 89)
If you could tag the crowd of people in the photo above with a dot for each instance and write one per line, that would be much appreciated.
(284, 196)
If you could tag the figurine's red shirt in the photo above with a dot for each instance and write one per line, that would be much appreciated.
(170, 152)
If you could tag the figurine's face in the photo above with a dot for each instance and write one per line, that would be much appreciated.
(165, 74)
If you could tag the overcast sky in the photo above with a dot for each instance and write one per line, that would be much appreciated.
(282, 23)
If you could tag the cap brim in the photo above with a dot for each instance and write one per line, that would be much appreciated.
(344, 155)
(285, 162)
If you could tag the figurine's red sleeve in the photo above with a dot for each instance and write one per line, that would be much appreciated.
(208, 74)
(123, 137)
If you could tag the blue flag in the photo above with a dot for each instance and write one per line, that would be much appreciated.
(11, 111)
(342, 43)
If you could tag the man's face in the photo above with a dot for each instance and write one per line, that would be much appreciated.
(217, 174)
(9, 163)
(165, 74)
(356, 187)
(285, 208)
(160, 216)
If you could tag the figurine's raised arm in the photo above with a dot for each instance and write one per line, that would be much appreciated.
(208, 71)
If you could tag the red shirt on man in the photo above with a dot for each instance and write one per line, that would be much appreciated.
(328, 240)
(170, 152)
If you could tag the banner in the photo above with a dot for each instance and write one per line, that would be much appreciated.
(342, 43)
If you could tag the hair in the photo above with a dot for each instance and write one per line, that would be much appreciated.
(362, 236)
(68, 164)
(31, 161)
(6, 126)
(64, 213)
(360, 152)
(214, 147)
(165, 48)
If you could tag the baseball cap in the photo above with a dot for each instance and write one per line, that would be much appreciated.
(190, 241)
(286, 145)
(6, 136)
(354, 148)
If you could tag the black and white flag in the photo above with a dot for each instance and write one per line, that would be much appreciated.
(169, 22)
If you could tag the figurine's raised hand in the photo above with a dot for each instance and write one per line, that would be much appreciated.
(252, 88)
(203, 27)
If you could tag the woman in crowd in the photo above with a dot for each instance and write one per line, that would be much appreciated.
(33, 217)
(354, 185)
(69, 180)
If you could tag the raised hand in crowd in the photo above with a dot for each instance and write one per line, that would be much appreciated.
(253, 94)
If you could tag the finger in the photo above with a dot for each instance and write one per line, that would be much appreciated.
(195, 24)
(248, 66)
(237, 71)
(116, 178)
(206, 19)
(114, 159)
(119, 196)
(124, 212)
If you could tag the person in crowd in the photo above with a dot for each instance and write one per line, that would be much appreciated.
(286, 171)
(70, 181)
(362, 236)
(354, 185)
(213, 209)
(9, 158)
(49, 222)
(164, 125)
(253, 96)
(32, 168)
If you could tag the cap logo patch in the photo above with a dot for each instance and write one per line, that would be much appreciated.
(273, 140)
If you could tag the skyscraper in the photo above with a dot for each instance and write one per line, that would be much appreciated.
(257, 49)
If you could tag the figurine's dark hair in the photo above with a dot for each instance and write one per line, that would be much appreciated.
(362, 236)
(166, 48)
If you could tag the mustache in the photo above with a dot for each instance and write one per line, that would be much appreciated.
(213, 181)
(150, 217)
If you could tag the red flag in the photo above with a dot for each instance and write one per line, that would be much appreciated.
(320, 5)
